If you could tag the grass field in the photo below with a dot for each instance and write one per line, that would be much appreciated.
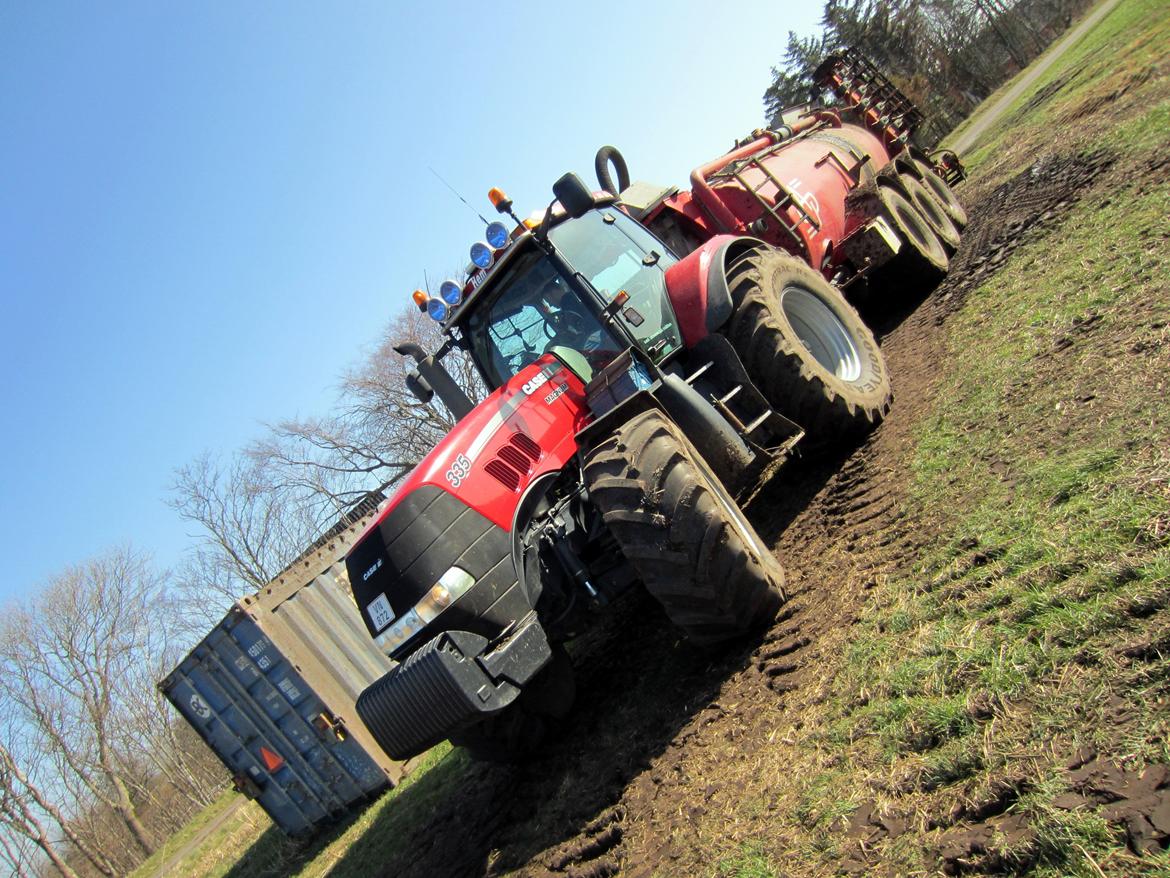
(1029, 641)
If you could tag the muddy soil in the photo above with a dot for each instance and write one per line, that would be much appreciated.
(663, 734)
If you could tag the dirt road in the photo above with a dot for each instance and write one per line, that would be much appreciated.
(989, 115)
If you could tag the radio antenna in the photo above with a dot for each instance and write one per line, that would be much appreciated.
(456, 194)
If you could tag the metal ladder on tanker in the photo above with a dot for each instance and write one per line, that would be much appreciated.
(778, 208)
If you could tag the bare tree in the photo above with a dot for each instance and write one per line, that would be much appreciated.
(250, 528)
(946, 55)
(65, 659)
(380, 430)
(27, 826)
(27, 808)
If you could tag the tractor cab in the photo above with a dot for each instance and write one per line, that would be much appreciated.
(583, 288)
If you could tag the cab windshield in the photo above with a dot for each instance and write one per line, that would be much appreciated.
(537, 312)
(615, 253)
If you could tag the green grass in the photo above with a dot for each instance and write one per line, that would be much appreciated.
(251, 846)
(750, 861)
(1126, 45)
(1054, 545)
(176, 842)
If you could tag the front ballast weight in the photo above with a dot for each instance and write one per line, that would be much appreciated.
(451, 682)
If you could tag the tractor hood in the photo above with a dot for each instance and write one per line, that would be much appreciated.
(454, 512)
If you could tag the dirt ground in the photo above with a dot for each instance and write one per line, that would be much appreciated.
(665, 736)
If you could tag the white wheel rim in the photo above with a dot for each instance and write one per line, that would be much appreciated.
(821, 332)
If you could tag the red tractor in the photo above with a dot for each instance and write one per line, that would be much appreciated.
(649, 361)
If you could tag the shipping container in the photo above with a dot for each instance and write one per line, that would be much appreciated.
(272, 688)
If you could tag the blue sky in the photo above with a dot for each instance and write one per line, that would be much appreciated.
(208, 211)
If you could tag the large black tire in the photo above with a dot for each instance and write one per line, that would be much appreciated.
(945, 195)
(932, 211)
(806, 348)
(921, 262)
(685, 536)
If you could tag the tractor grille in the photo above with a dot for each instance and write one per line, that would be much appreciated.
(513, 461)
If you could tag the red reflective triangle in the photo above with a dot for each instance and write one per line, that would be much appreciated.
(272, 761)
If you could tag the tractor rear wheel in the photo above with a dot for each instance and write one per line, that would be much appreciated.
(946, 197)
(682, 532)
(922, 262)
(806, 348)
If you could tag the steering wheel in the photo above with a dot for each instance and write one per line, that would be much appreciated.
(569, 323)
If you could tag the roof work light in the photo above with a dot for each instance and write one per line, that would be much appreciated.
(496, 234)
(481, 254)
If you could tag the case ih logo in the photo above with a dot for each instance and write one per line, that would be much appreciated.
(536, 382)
(373, 569)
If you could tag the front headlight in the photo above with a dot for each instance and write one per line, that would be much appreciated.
(451, 586)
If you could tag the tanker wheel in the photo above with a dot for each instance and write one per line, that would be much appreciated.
(684, 535)
(945, 195)
(932, 211)
(519, 729)
(806, 348)
(922, 260)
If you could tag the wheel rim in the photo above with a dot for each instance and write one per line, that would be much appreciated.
(821, 332)
(913, 223)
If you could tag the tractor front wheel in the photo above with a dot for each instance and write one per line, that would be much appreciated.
(682, 532)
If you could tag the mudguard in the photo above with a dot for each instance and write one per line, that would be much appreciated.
(697, 285)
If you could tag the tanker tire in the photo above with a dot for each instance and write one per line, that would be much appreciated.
(932, 211)
(945, 195)
(834, 401)
(922, 261)
(686, 538)
(601, 162)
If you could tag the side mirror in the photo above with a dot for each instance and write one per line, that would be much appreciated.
(417, 385)
(573, 195)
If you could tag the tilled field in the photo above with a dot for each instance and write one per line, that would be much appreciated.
(673, 752)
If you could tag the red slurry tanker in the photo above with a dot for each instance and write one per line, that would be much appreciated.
(651, 354)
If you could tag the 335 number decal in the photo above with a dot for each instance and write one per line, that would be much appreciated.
(459, 471)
